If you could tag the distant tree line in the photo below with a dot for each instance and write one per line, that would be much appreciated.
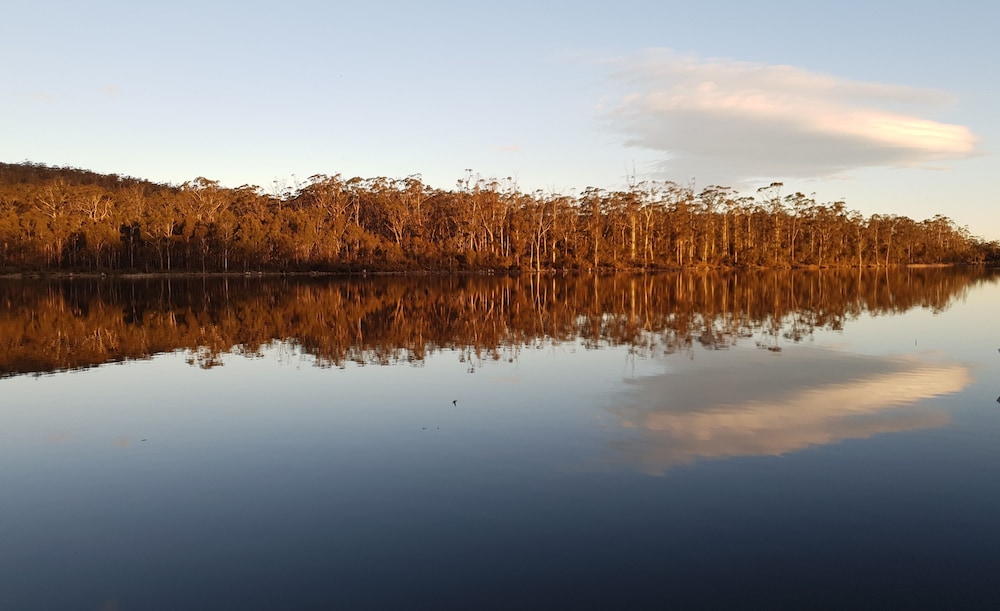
(77, 220)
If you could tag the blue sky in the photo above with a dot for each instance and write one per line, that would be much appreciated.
(888, 105)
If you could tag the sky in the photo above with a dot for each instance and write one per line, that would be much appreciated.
(888, 106)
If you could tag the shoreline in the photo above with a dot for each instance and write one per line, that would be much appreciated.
(67, 275)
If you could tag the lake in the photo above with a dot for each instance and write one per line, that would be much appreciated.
(767, 440)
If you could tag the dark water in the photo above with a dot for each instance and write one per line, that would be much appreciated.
(776, 440)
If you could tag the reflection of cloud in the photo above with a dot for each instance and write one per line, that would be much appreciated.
(761, 121)
(752, 406)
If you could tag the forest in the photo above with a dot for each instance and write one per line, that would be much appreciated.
(73, 220)
(48, 326)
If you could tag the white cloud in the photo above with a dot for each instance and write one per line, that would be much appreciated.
(740, 121)
(35, 97)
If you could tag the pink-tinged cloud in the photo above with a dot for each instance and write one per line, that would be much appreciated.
(741, 121)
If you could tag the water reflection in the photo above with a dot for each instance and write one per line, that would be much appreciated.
(253, 482)
(46, 327)
(756, 405)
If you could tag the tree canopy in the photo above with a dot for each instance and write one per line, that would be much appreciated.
(76, 220)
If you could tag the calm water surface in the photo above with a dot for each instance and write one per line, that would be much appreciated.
(787, 440)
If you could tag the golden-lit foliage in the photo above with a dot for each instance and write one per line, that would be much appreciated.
(69, 324)
(68, 219)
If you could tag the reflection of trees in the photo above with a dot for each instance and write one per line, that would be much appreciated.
(71, 324)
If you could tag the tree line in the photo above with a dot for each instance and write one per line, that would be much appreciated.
(76, 220)
(48, 326)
